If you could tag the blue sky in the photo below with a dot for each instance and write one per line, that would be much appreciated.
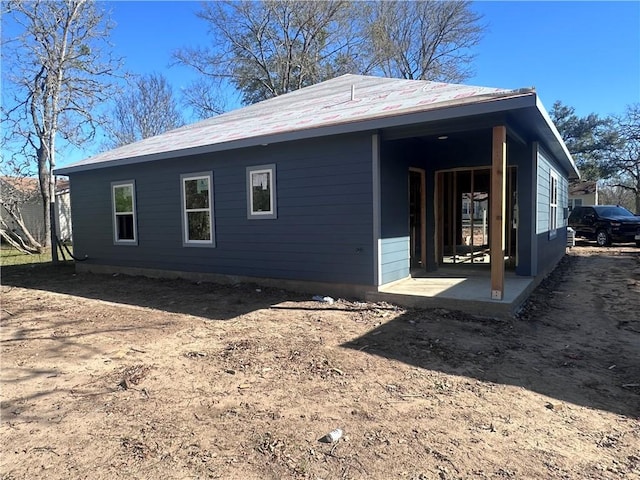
(585, 54)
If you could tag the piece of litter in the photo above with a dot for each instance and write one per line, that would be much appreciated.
(320, 298)
(332, 436)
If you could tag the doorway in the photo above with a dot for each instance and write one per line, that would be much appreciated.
(417, 218)
(463, 217)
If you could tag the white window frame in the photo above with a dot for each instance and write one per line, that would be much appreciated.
(553, 203)
(186, 241)
(273, 212)
(124, 241)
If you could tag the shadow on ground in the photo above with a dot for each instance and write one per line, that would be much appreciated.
(203, 299)
(549, 349)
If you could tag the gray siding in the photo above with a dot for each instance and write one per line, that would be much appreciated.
(551, 251)
(394, 189)
(323, 231)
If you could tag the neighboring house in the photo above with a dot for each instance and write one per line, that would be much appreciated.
(343, 187)
(582, 192)
(25, 192)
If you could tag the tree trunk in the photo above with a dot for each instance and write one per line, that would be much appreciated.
(45, 190)
(54, 236)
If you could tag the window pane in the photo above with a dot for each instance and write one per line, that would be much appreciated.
(125, 227)
(199, 226)
(261, 189)
(196, 193)
(124, 198)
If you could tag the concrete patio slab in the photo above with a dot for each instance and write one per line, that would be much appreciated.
(457, 290)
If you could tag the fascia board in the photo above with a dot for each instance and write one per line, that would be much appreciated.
(557, 137)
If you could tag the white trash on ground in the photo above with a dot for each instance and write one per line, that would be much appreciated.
(332, 436)
(320, 298)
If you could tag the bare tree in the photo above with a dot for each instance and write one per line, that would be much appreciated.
(205, 97)
(14, 193)
(424, 40)
(625, 159)
(265, 49)
(147, 109)
(55, 77)
(611, 194)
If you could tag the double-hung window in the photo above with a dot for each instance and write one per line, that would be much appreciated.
(261, 192)
(197, 209)
(124, 213)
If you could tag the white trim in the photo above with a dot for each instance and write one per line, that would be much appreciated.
(556, 134)
(115, 214)
(377, 222)
(553, 202)
(272, 213)
(186, 242)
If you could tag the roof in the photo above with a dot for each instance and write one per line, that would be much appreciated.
(582, 187)
(348, 103)
(28, 187)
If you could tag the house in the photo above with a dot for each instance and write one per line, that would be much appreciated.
(582, 192)
(23, 193)
(345, 186)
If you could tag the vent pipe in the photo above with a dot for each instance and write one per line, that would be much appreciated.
(353, 92)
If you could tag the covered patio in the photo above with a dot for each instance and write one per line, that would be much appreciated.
(457, 288)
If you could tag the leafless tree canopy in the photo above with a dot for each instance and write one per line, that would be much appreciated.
(147, 109)
(626, 158)
(268, 48)
(265, 49)
(54, 72)
(423, 40)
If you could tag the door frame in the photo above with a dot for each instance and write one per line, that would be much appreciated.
(423, 218)
(510, 222)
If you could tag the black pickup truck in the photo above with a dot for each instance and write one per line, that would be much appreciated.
(605, 224)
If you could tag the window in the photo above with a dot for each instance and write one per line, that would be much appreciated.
(553, 203)
(124, 213)
(197, 202)
(261, 192)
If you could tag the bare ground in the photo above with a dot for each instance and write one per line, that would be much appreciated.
(113, 377)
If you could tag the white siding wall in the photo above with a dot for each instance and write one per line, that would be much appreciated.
(33, 217)
(545, 170)
(63, 209)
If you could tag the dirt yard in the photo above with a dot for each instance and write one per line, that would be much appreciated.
(115, 377)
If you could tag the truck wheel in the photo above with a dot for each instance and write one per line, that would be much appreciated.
(603, 239)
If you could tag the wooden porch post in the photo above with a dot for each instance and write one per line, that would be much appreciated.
(498, 211)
